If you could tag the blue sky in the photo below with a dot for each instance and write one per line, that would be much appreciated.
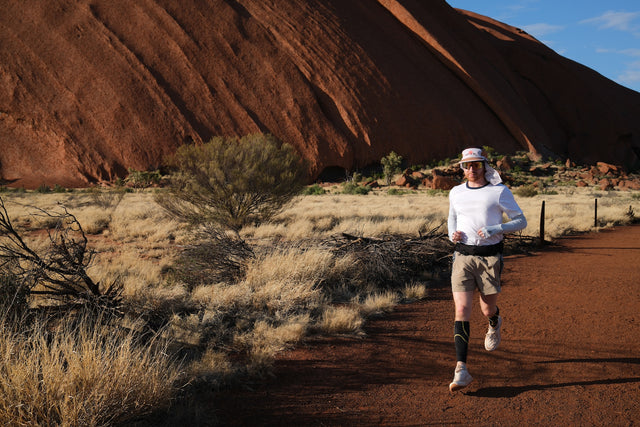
(603, 35)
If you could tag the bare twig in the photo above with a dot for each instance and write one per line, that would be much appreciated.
(60, 270)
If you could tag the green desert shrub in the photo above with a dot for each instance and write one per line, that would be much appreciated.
(43, 188)
(233, 182)
(313, 190)
(353, 188)
(391, 166)
(526, 191)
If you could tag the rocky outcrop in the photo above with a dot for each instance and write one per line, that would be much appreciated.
(92, 88)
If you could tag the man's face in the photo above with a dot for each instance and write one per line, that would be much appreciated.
(473, 171)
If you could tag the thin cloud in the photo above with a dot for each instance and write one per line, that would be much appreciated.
(631, 75)
(542, 29)
(621, 21)
(521, 5)
(627, 52)
(511, 11)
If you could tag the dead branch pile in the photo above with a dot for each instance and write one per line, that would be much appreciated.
(393, 260)
(520, 244)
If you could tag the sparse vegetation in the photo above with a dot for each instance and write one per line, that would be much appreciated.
(321, 265)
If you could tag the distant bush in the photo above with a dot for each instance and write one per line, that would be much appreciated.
(143, 179)
(105, 198)
(43, 188)
(526, 191)
(233, 182)
(59, 189)
(490, 151)
(313, 190)
(391, 165)
(353, 188)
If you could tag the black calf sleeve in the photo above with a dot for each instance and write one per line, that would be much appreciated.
(461, 339)
(493, 320)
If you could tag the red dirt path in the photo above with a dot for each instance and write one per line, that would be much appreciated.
(570, 354)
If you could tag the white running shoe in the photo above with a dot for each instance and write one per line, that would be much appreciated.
(461, 379)
(492, 339)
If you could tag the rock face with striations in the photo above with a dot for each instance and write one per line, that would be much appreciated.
(91, 88)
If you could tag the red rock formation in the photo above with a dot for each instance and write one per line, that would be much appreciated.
(89, 89)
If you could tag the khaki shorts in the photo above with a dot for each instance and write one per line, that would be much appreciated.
(471, 271)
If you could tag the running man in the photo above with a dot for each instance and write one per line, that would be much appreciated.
(475, 226)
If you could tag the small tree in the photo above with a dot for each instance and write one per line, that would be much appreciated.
(391, 166)
(233, 182)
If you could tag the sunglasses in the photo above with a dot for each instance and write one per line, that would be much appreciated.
(475, 165)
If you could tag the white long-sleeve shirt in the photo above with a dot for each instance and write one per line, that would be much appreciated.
(471, 209)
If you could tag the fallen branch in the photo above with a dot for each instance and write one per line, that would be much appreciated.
(60, 270)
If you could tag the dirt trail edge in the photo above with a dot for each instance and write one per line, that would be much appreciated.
(570, 354)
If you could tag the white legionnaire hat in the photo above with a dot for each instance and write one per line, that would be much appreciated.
(473, 154)
(478, 154)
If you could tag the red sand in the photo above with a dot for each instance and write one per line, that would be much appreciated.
(569, 354)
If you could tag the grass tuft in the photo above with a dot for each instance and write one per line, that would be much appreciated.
(341, 320)
(86, 373)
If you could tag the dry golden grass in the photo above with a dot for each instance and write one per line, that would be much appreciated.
(415, 291)
(376, 304)
(369, 215)
(570, 210)
(81, 376)
(264, 341)
(211, 366)
(341, 320)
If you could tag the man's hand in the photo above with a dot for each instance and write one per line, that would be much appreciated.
(488, 231)
(457, 236)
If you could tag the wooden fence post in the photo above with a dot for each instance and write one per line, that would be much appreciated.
(595, 215)
(542, 224)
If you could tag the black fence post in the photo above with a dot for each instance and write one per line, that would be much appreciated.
(542, 224)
